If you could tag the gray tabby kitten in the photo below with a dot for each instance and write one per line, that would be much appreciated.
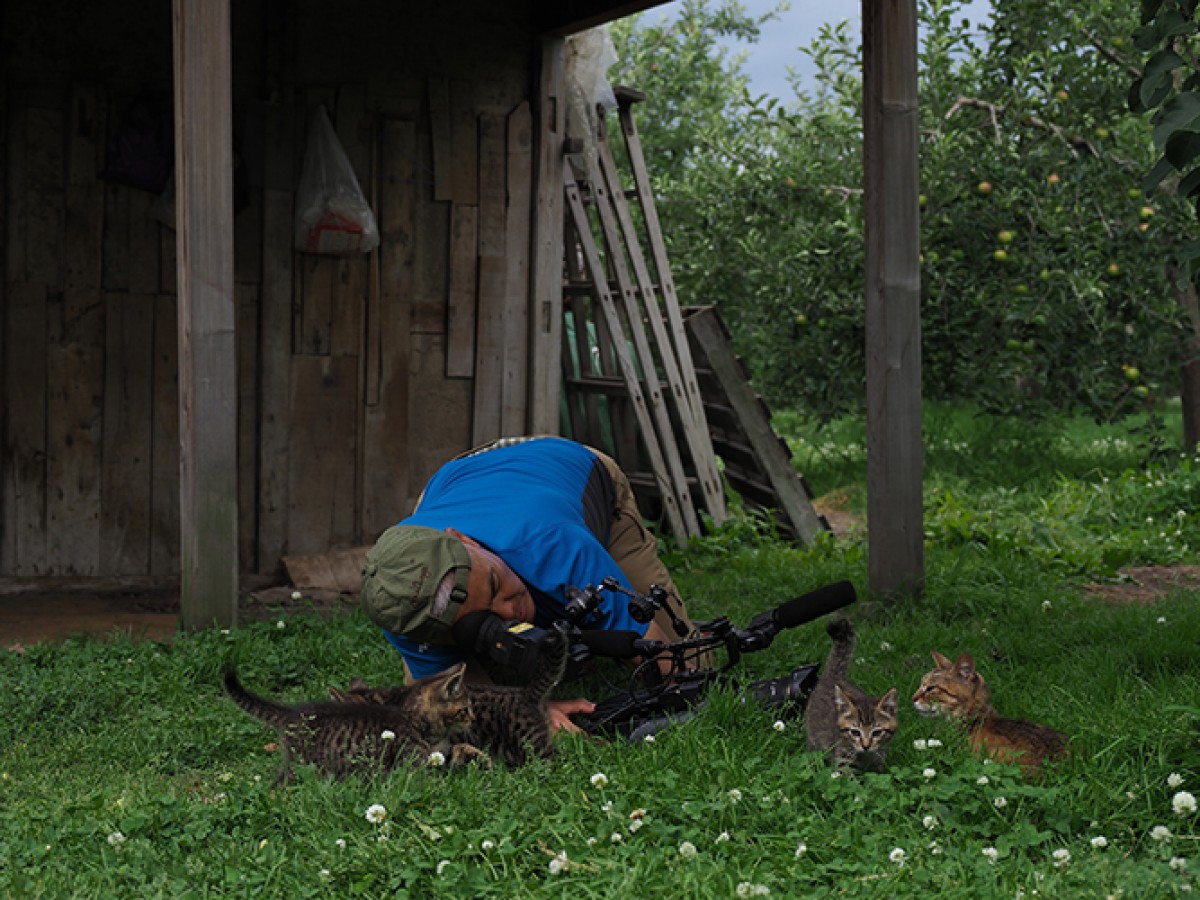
(852, 726)
(341, 738)
(510, 722)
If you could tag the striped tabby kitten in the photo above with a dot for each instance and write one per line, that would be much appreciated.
(510, 723)
(341, 738)
(957, 691)
(853, 727)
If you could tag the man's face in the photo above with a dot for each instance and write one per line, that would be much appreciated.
(492, 585)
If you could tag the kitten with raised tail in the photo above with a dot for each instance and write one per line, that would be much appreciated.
(956, 690)
(343, 738)
(852, 726)
(510, 723)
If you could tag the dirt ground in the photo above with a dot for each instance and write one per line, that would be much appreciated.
(28, 617)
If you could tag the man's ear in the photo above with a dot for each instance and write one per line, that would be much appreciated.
(454, 532)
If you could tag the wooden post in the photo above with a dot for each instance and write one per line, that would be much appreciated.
(896, 562)
(207, 354)
(546, 257)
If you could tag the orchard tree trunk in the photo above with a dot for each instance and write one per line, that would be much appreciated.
(1189, 369)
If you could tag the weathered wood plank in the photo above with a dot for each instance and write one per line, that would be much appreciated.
(464, 143)
(514, 400)
(145, 244)
(164, 444)
(489, 350)
(24, 459)
(44, 200)
(208, 358)
(492, 185)
(547, 240)
(442, 157)
(15, 213)
(386, 450)
(461, 294)
(440, 411)
(276, 337)
(350, 282)
(73, 432)
(126, 472)
(431, 247)
(322, 508)
(115, 260)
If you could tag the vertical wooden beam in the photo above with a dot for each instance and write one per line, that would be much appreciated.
(546, 263)
(207, 354)
(896, 557)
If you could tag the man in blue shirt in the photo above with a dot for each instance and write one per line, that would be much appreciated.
(508, 528)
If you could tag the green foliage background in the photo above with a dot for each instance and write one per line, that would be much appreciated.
(1045, 267)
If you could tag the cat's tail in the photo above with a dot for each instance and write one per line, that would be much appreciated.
(841, 650)
(272, 713)
(553, 667)
(841, 630)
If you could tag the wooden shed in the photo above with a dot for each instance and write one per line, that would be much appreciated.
(318, 392)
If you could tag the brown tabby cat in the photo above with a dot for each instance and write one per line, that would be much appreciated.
(851, 725)
(956, 691)
(340, 738)
(510, 723)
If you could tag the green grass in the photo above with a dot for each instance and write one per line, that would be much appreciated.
(100, 738)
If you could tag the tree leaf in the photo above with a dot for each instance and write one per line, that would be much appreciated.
(1180, 113)
(1161, 170)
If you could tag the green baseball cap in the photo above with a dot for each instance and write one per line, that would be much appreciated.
(401, 575)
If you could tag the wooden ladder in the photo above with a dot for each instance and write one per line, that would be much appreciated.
(631, 384)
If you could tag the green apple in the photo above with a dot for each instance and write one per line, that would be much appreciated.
(1000, 256)
(984, 187)
(1132, 373)
(1142, 391)
(1005, 237)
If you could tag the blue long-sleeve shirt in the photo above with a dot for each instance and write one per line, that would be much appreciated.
(530, 504)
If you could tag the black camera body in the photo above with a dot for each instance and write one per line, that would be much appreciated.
(514, 645)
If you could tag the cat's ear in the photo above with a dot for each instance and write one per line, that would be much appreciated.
(453, 685)
(840, 701)
(964, 667)
(943, 662)
(357, 684)
(887, 704)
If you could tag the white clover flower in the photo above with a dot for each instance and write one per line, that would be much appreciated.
(687, 850)
(387, 735)
(1174, 780)
(648, 739)
(115, 839)
(606, 806)
(599, 780)
(1161, 620)
(1160, 833)
(1000, 803)
(1178, 863)
(930, 822)
(436, 758)
(591, 842)
(734, 795)
(930, 773)
(377, 814)
(1046, 604)
(441, 866)
(749, 889)
(991, 853)
(262, 843)
(325, 875)
(885, 646)
(722, 837)
(982, 779)
(935, 849)
(920, 744)
(281, 625)
(616, 837)
(1183, 803)
(801, 849)
(635, 825)
(1099, 842)
(296, 595)
(780, 725)
(1062, 856)
(933, 743)
(487, 844)
(638, 813)
(340, 843)
(559, 864)
(897, 855)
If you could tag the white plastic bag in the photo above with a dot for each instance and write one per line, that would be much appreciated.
(332, 215)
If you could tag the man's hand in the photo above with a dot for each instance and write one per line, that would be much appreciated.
(559, 711)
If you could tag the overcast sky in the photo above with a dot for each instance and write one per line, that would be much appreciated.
(778, 48)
